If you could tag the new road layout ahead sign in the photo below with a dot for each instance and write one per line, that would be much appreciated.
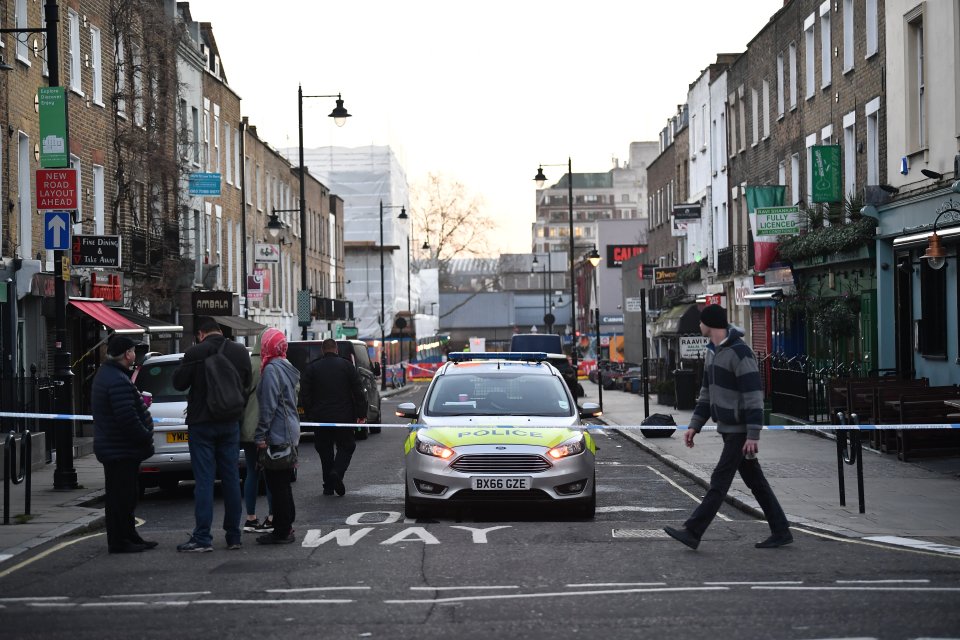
(56, 189)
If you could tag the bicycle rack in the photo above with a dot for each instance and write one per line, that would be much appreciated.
(13, 474)
(849, 451)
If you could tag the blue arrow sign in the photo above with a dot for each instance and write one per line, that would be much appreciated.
(56, 230)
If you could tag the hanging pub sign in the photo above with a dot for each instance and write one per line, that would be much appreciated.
(827, 180)
(686, 211)
(665, 275)
(617, 254)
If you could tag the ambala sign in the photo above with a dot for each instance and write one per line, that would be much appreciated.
(617, 254)
(56, 189)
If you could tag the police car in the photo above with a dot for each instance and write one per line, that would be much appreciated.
(499, 427)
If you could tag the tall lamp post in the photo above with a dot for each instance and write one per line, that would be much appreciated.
(594, 259)
(64, 475)
(339, 115)
(540, 179)
(548, 292)
(383, 311)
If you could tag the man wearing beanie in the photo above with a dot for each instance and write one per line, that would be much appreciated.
(731, 394)
(122, 439)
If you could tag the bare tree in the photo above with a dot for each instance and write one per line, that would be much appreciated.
(450, 220)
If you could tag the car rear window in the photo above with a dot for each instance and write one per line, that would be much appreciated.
(157, 378)
(498, 394)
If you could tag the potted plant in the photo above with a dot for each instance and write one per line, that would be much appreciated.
(665, 390)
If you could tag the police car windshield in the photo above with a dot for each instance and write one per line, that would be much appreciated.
(502, 393)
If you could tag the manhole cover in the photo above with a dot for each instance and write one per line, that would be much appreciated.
(640, 533)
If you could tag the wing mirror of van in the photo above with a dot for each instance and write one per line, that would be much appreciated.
(406, 410)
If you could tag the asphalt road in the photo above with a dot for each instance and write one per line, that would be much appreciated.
(360, 570)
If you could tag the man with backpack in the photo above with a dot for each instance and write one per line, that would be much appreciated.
(217, 373)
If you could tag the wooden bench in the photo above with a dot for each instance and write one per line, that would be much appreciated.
(927, 408)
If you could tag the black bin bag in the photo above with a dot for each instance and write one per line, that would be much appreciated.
(658, 420)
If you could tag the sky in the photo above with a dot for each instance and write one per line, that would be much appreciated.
(481, 92)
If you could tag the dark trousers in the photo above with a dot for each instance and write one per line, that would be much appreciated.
(335, 446)
(121, 491)
(731, 462)
(284, 510)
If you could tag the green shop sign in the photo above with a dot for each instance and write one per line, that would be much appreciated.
(827, 179)
(777, 221)
(54, 146)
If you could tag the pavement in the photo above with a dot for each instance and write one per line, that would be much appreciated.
(916, 500)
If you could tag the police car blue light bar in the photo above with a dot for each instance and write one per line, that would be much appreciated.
(515, 356)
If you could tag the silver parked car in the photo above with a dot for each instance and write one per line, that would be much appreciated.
(499, 427)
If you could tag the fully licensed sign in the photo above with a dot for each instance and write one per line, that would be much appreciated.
(96, 251)
(778, 221)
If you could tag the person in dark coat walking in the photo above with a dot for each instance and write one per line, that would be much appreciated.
(332, 392)
(122, 439)
(214, 439)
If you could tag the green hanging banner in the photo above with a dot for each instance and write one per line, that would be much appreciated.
(54, 143)
(827, 179)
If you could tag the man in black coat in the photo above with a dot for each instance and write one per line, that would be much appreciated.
(122, 439)
(214, 439)
(332, 392)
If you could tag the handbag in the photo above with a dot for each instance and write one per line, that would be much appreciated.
(278, 457)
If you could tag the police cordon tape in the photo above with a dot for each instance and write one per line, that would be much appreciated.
(622, 427)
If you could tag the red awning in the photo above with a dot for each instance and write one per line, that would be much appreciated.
(106, 316)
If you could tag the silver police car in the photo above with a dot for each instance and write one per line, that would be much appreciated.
(499, 427)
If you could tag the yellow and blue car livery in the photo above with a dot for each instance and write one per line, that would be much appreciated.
(499, 430)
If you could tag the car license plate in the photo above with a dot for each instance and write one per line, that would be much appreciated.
(177, 436)
(501, 484)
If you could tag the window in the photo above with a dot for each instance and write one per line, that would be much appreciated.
(933, 311)
(810, 141)
(793, 75)
(850, 155)
(73, 51)
(782, 173)
(236, 157)
(809, 55)
(227, 157)
(43, 45)
(195, 113)
(743, 119)
(780, 85)
(215, 164)
(693, 137)
(826, 48)
(136, 53)
(873, 141)
(766, 109)
(96, 59)
(847, 35)
(826, 134)
(98, 211)
(732, 123)
(24, 191)
(120, 61)
(795, 178)
(703, 127)
(259, 188)
(755, 108)
(871, 18)
(206, 133)
(75, 165)
(916, 105)
(21, 38)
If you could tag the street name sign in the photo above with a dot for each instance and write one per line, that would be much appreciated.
(56, 189)
(56, 230)
(96, 251)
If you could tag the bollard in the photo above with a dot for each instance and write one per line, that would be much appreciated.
(841, 440)
(857, 453)
(12, 474)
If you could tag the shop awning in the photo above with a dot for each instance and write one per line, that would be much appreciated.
(159, 329)
(769, 297)
(106, 316)
(240, 326)
(680, 320)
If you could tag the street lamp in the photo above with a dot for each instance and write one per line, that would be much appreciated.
(339, 115)
(64, 475)
(383, 317)
(540, 180)
(410, 348)
(935, 255)
(594, 259)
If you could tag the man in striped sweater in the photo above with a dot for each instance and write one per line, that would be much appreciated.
(732, 396)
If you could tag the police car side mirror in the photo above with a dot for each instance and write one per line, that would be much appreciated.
(590, 410)
(406, 410)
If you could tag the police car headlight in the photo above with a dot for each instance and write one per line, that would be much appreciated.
(568, 448)
(433, 449)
